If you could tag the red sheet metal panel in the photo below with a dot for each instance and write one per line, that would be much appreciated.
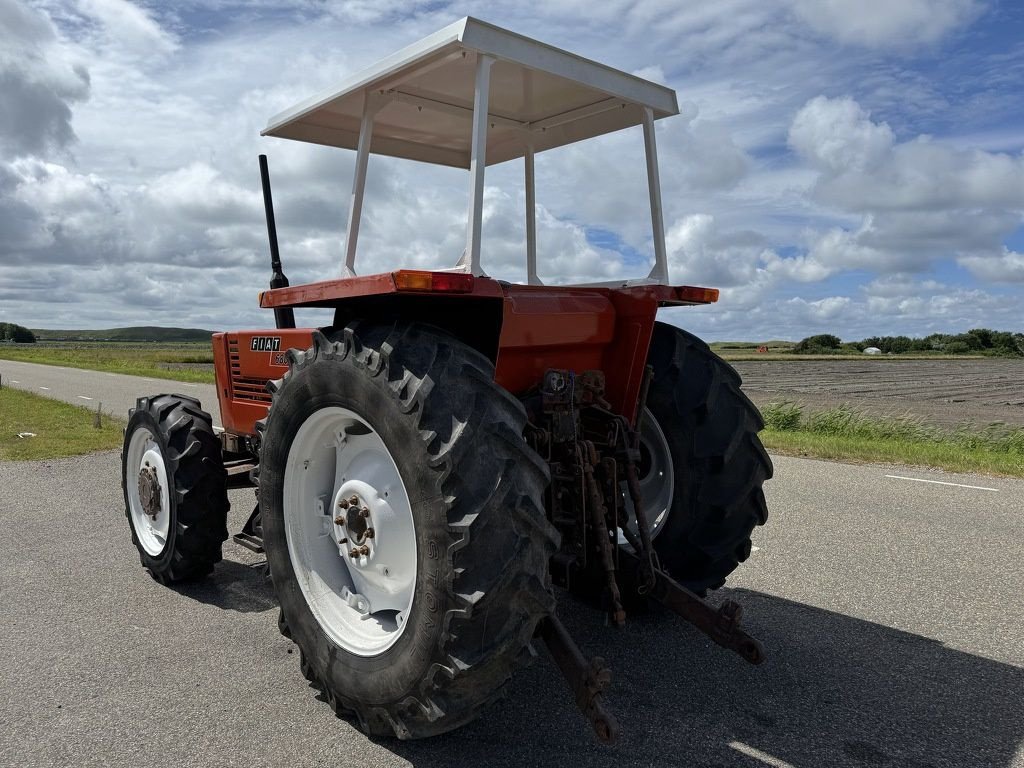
(245, 361)
(575, 328)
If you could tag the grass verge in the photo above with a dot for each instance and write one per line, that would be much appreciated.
(156, 361)
(842, 433)
(60, 429)
(746, 356)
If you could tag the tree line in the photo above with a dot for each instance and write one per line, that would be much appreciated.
(16, 333)
(975, 341)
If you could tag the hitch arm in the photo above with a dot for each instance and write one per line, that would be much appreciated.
(588, 680)
(721, 624)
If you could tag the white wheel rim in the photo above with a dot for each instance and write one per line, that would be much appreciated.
(144, 454)
(657, 478)
(361, 602)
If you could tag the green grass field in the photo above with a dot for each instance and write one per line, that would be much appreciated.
(838, 434)
(191, 361)
(60, 429)
(180, 362)
(844, 434)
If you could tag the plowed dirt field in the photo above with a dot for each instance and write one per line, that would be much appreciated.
(945, 392)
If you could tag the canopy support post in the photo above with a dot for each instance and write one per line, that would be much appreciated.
(660, 270)
(371, 105)
(477, 162)
(531, 219)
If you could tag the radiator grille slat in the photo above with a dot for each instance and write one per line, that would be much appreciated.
(244, 387)
(250, 389)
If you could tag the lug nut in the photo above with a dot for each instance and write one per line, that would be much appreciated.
(343, 504)
(339, 520)
(365, 511)
(369, 533)
(354, 500)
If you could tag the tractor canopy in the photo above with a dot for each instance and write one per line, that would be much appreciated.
(472, 95)
(539, 95)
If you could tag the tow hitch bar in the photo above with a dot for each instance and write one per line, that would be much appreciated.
(721, 624)
(589, 679)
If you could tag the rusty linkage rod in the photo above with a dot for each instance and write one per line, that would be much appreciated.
(587, 679)
(721, 624)
(588, 457)
(649, 562)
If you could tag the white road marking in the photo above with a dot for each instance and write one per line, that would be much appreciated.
(46, 388)
(757, 754)
(939, 482)
(83, 397)
(15, 382)
(186, 384)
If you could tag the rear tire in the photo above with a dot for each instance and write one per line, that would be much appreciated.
(420, 410)
(718, 462)
(175, 487)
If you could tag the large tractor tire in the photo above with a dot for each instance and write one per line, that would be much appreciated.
(703, 465)
(175, 487)
(404, 526)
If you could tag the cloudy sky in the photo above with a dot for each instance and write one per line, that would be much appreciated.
(844, 166)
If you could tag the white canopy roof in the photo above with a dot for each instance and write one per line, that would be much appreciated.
(538, 94)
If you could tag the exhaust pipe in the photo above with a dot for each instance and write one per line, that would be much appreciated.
(284, 317)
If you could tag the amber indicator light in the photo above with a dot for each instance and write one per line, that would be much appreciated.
(441, 282)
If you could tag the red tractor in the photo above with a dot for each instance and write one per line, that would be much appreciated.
(452, 449)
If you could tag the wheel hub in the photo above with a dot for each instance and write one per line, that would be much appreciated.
(350, 530)
(149, 499)
(149, 490)
(354, 524)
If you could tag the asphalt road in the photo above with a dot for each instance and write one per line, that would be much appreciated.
(891, 611)
(116, 392)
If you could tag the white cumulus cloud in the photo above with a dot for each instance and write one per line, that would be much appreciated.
(886, 23)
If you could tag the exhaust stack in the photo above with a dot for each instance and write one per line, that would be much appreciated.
(284, 317)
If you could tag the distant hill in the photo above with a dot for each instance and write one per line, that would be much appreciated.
(140, 333)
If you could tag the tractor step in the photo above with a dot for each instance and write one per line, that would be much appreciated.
(251, 535)
(247, 540)
(239, 472)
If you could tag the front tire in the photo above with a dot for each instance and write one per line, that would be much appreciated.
(418, 631)
(705, 434)
(175, 487)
